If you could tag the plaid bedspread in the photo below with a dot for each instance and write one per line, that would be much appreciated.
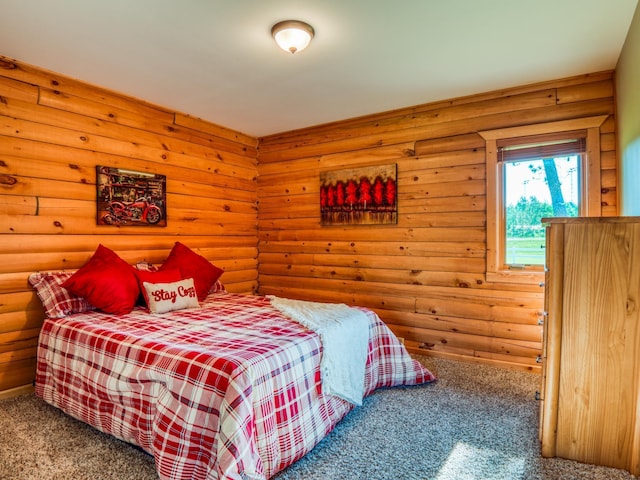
(228, 391)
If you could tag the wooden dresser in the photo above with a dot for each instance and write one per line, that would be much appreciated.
(590, 409)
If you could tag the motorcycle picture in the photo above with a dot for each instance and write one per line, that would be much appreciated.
(140, 210)
(130, 198)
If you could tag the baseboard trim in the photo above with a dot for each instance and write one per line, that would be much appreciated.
(16, 391)
(483, 361)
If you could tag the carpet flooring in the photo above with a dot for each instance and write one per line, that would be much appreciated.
(476, 422)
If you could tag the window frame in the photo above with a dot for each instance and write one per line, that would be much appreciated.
(590, 188)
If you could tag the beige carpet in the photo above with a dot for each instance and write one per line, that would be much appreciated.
(475, 423)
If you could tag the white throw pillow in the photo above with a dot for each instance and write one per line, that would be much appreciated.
(166, 297)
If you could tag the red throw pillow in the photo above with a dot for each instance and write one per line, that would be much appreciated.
(169, 275)
(106, 281)
(193, 265)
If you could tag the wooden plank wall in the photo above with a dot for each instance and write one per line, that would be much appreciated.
(424, 276)
(53, 132)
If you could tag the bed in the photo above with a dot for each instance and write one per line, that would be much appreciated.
(232, 389)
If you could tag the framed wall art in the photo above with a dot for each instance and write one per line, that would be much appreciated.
(126, 197)
(359, 196)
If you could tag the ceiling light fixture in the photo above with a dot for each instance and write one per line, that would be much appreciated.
(292, 35)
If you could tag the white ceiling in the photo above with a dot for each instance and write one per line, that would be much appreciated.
(215, 59)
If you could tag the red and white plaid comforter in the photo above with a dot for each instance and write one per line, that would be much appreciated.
(228, 391)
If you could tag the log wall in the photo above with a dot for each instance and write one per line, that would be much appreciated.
(424, 276)
(53, 133)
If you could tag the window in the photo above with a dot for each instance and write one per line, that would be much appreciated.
(540, 179)
(534, 172)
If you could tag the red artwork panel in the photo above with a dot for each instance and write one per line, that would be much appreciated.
(359, 196)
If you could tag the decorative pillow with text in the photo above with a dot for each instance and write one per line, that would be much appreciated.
(167, 297)
(164, 276)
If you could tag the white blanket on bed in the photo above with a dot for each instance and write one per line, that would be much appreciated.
(344, 333)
